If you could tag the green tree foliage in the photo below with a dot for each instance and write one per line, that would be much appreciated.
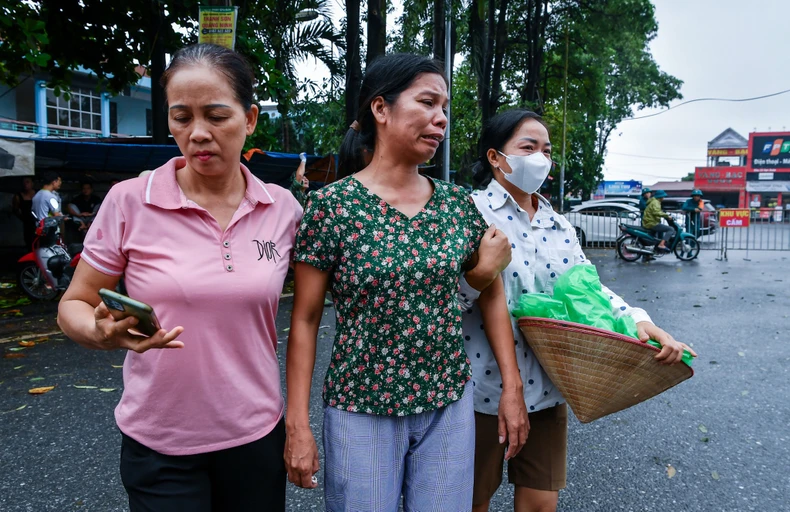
(514, 56)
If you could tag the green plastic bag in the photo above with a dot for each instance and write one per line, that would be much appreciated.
(580, 289)
(540, 305)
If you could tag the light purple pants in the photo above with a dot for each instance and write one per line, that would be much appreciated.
(428, 458)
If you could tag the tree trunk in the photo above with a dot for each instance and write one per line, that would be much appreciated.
(353, 63)
(377, 29)
(538, 18)
(158, 114)
(439, 53)
(499, 56)
(439, 20)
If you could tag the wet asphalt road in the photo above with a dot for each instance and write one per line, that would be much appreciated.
(725, 432)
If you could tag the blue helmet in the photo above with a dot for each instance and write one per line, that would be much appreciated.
(658, 194)
(646, 190)
(696, 192)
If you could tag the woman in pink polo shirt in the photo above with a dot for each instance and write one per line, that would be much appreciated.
(207, 245)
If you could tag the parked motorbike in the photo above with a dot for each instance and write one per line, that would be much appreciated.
(47, 269)
(637, 242)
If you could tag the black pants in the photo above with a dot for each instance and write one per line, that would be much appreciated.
(250, 477)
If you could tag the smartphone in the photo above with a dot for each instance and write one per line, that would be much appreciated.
(121, 306)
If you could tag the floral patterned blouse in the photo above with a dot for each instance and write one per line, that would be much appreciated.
(398, 347)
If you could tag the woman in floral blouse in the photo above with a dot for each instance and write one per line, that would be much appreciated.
(515, 161)
(391, 245)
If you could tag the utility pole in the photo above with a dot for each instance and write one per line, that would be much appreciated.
(448, 70)
(564, 126)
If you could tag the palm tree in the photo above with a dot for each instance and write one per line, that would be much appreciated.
(288, 41)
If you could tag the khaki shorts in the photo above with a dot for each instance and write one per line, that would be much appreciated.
(541, 464)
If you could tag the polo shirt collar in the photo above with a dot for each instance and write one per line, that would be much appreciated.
(162, 188)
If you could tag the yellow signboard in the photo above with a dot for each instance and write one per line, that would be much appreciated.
(218, 25)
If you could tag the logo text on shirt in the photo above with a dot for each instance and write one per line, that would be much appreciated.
(268, 249)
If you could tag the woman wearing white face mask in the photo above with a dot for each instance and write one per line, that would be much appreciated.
(515, 160)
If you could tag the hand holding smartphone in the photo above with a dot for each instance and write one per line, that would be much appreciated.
(121, 306)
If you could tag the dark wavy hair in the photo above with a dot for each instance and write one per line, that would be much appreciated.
(496, 133)
(388, 77)
(226, 61)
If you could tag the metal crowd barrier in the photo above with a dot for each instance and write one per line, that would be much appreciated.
(598, 229)
(753, 229)
(767, 229)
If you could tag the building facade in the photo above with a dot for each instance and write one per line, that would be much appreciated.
(32, 109)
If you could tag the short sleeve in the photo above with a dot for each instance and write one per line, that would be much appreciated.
(103, 246)
(476, 225)
(318, 237)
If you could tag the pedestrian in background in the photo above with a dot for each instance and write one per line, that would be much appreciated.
(207, 245)
(391, 245)
(299, 182)
(22, 206)
(46, 202)
(515, 160)
(644, 198)
(693, 208)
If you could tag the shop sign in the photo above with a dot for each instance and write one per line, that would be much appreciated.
(734, 218)
(769, 151)
(720, 178)
(218, 25)
(728, 152)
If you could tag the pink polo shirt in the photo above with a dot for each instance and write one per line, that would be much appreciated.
(223, 388)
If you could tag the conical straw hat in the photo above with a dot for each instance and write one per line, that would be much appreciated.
(598, 372)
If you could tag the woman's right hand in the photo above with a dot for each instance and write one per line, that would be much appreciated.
(113, 334)
(301, 457)
(494, 251)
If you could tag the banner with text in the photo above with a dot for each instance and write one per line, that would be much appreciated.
(218, 25)
(734, 218)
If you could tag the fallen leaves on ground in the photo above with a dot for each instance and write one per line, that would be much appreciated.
(13, 312)
(703, 429)
(117, 365)
(671, 471)
(84, 387)
(13, 355)
(714, 475)
(27, 344)
(107, 390)
(41, 390)
(10, 303)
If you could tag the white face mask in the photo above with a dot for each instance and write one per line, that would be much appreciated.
(529, 171)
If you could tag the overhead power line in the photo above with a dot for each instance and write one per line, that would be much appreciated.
(737, 100)
(657, 157)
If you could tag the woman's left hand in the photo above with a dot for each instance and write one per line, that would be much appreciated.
(672, 351)
(513, 421)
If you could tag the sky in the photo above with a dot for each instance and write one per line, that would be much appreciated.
(720, 49)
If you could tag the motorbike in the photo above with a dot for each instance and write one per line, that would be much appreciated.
(637, 242)
(47, 269)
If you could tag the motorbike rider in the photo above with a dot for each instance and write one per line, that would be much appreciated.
(646, 195)
(651, 219)
(693, 207)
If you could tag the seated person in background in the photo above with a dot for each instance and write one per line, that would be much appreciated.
(85, 204)
(651, 219)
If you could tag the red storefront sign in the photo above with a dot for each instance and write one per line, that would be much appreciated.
(728, 152)
(720, 179)
(734, 218)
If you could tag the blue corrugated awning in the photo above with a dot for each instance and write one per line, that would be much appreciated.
(117, 158)
(99, 156)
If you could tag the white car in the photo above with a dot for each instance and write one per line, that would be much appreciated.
(599, 222)
(624, 200)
